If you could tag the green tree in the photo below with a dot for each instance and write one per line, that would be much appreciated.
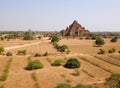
(114, 39)
(28, 36)
(72, 63)
(99, 41)
(54, 39)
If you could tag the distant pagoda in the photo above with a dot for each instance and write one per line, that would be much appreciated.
(75, 29)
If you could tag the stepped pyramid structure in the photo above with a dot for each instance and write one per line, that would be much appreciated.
(75, 29)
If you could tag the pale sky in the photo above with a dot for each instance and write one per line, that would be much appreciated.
(55, 15)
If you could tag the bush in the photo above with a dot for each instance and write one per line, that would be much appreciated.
(2, 49)
(37, 55)
(118, 51)
(83, 86)
(63, 85)
(76, 72)
(72, 63)
(22, 52)
(62, 48)
(101, 51)
(8, 54)
(111, 50)
(54, 39)
(46, 53)
(113, 81)
(58, 62)
(3, 77)
(36, 64)
(99, 41)
(114, 39)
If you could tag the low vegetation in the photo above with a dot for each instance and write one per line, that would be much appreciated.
(113, 81)
(114, 39)
(54, 39)
(65, 85)
(111, 50)
(2, 86)
(21, 52)
(9, 54)
(1, 49)
(99, 41)
(46, 54)
(101, 51)
(34, 77)
(36, 64)
(58, 62)
(3, 77)
(76, 72)
(72, 63)
(37, 55)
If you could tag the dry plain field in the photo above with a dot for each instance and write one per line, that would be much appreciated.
(93, 70)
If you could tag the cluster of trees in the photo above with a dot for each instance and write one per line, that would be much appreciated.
(61, 48)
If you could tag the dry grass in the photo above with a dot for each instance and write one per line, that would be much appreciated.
(87, 46)
(49, 76)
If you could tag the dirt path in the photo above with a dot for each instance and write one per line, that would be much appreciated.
(25, 45)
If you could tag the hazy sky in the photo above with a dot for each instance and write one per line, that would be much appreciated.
(54, 15)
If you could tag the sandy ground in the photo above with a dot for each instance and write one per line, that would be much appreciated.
(50, 76)
(87, 46)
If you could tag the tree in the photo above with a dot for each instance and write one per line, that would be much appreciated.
(72, 63)
(28, 36)
(114, 39)
(54, 39)
(2, 49)
(99, 41)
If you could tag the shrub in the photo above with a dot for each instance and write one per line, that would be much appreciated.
(54, 39)
(68, 52)
(62, 48)
(3, 77)
(46, 53)
(113, 81)
(111, 50)
(8, 54)
(36, 64)
(114, 39)
(63, 85)
(37, 55)
(118, 51)
(2, 49)
(83, 86)
(72, 63)
(101, 51)
(58, 62)
(99, 41)
(2, 86)
(22, 52)
(76, 72)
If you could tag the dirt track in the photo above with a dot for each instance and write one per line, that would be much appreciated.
(25, 45)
